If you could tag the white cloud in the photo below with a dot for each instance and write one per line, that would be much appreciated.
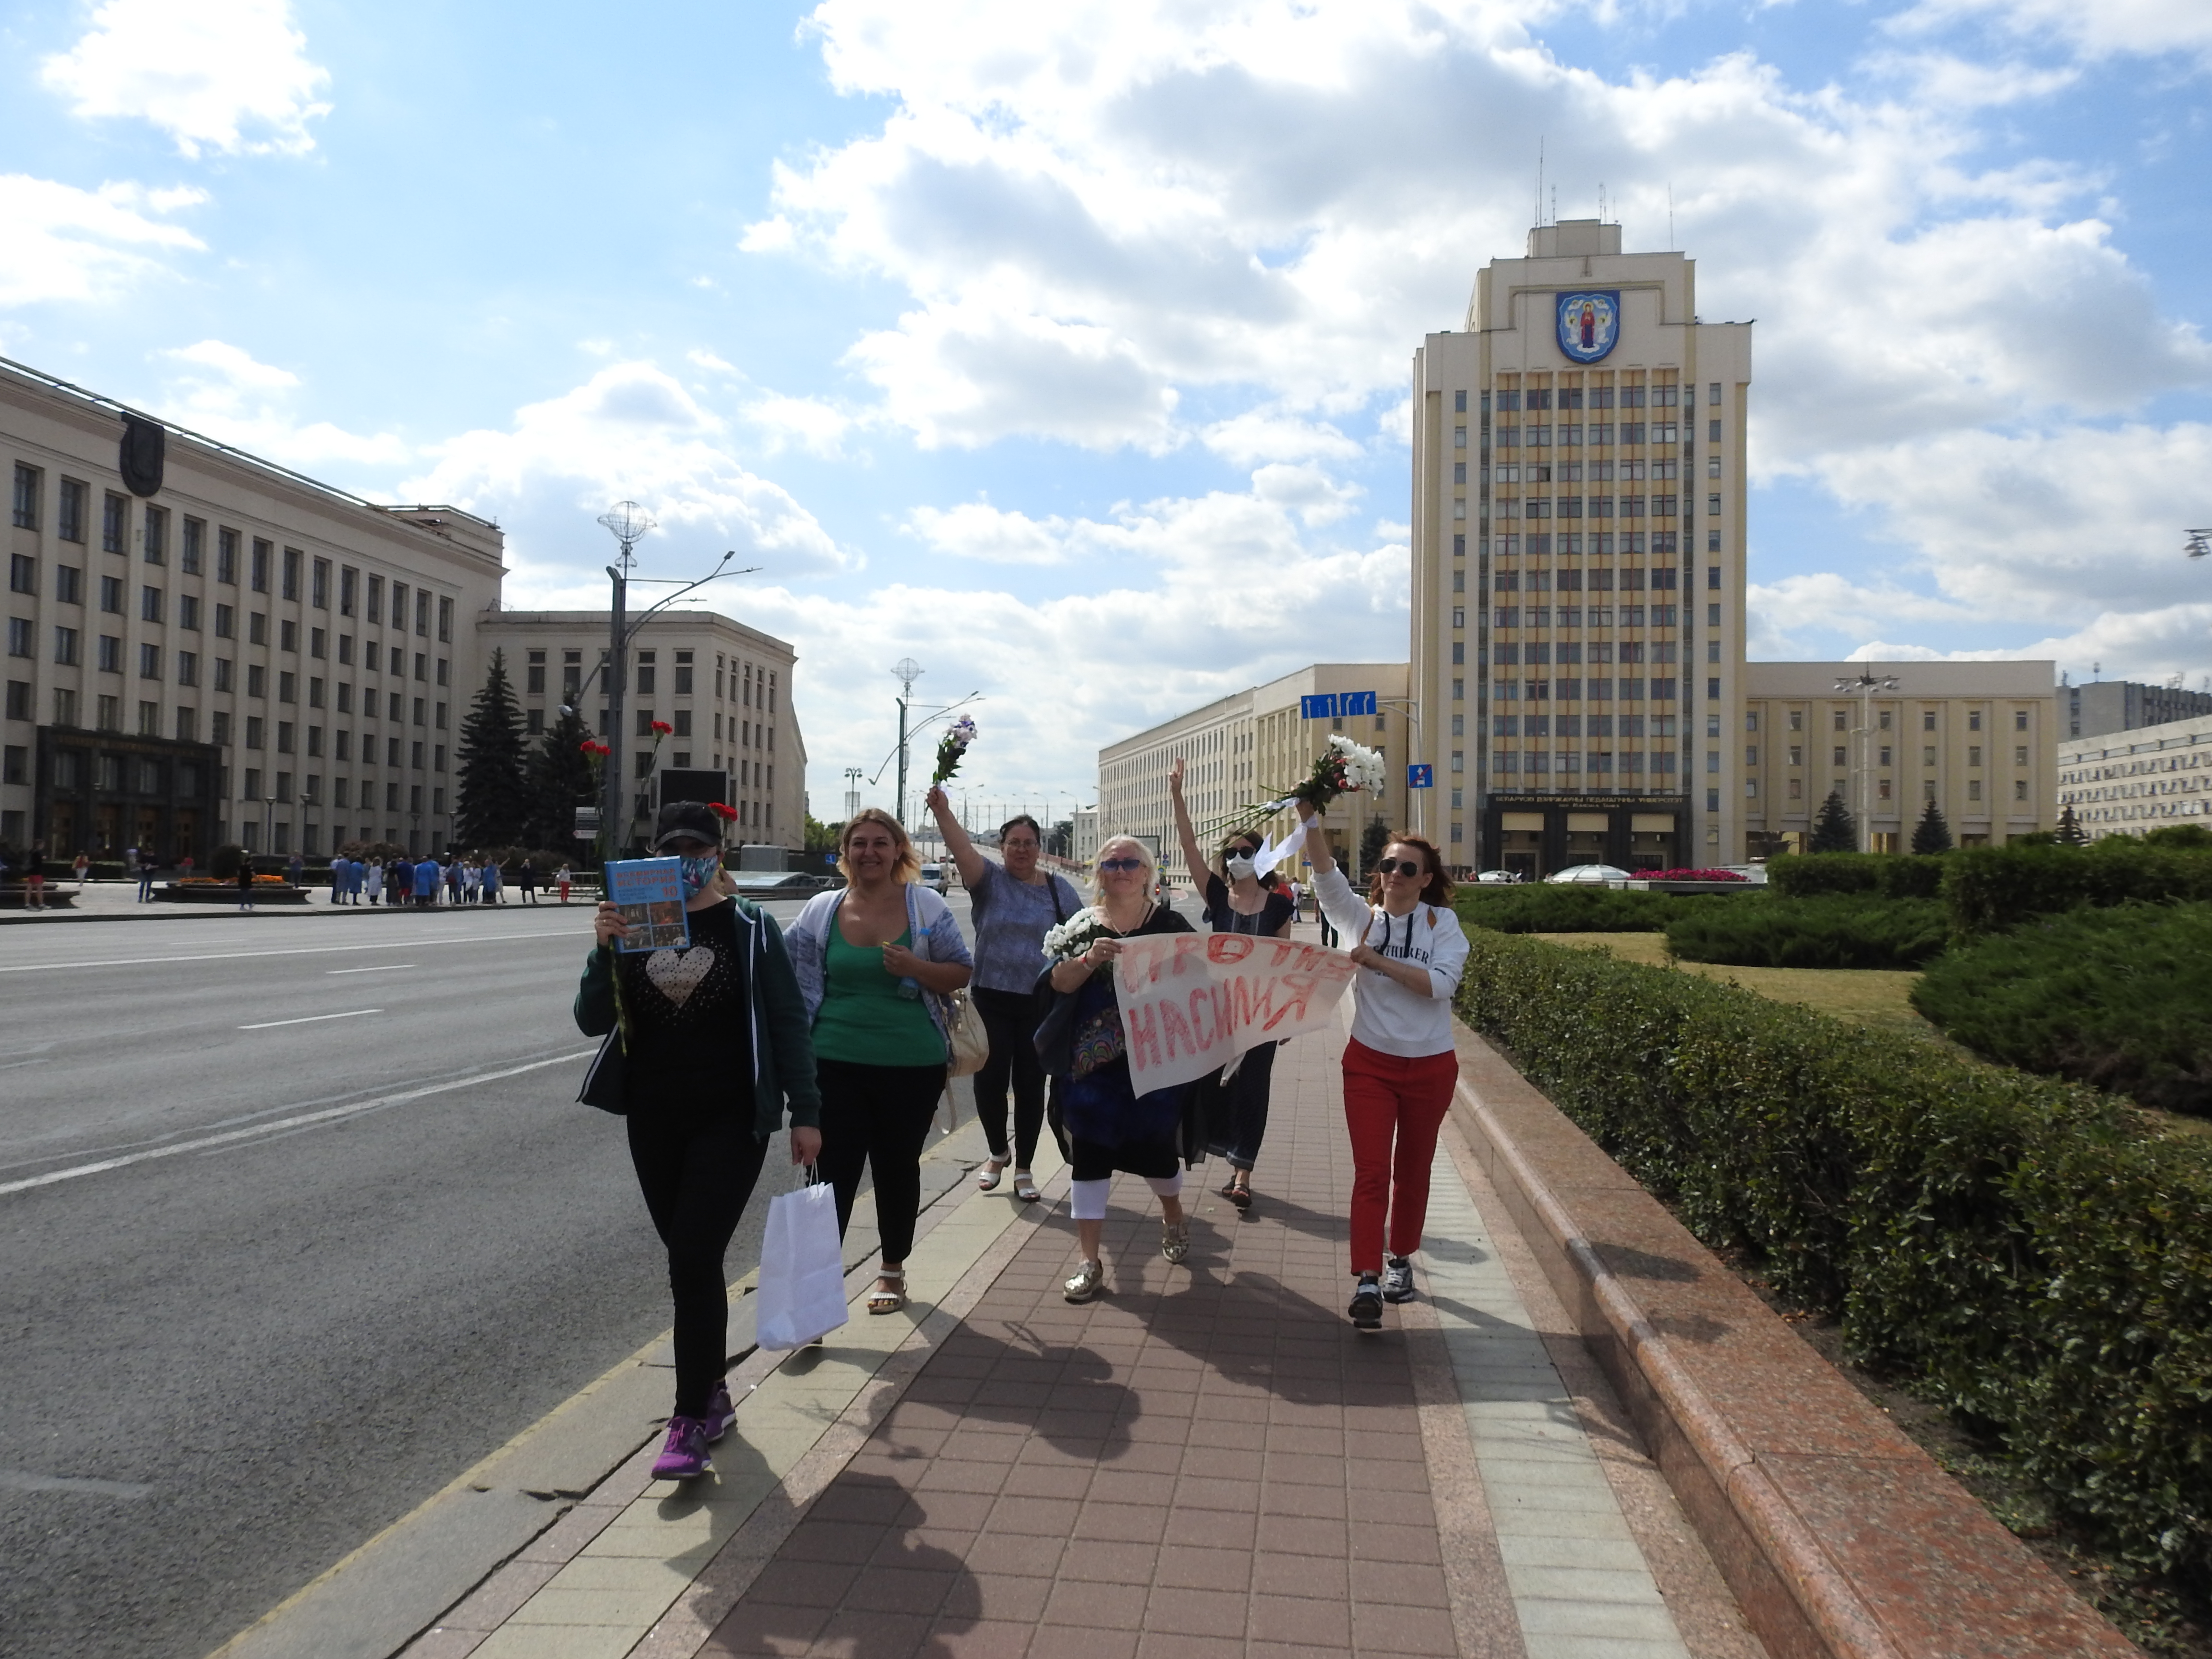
(976, 530)
(64, 243)
(220, 389)
(807, 424)
(1275, 434)
(227, 75)
(2104, 28)
(634, 432)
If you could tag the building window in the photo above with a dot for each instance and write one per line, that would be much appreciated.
(20, 631)
(68, 585)
(28, 481)
(149, 604)
(293, 559)
(157, 548)
(23, 574)
(422, 612)
(114, 523)
(2019, 788)
(264, 555)
(110, 653)
(2020, 720)
(1973, 788)
(150, 662)
(110, 595)
(188, 559)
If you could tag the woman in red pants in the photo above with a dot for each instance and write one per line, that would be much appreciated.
(1400, 1065)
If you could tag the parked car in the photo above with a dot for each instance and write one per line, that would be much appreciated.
(779, 884)
(1499, 878)
(933, 878)
(1595, 873)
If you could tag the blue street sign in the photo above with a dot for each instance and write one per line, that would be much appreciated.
(1330, 705)
(1420, 777)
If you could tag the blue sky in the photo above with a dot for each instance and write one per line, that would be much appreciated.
(1065, 348)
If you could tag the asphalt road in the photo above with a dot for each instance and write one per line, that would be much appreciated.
(277, 1283)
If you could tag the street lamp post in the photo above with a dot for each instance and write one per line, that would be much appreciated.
(852, 776)
(1419, 797)
(1866, 684)
(906, 671)
(628, 523)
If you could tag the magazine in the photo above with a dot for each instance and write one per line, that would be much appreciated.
(650, 896)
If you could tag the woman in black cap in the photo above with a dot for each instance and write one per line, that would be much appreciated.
(706, 1047)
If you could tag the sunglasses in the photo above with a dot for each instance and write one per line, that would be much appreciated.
(1120, 864)
(1401, 866)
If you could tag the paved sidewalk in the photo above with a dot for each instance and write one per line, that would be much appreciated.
(1208, 1460)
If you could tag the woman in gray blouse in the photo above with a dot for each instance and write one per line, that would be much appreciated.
(1015, 905)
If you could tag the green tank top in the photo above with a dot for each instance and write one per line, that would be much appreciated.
(864, 1019)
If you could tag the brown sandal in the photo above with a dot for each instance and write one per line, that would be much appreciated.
(1239, 1189)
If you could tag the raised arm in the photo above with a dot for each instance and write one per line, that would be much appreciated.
(1194, 855)
(1317, 850)
(969, 862)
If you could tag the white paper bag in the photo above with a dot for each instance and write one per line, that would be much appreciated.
(802, 1269)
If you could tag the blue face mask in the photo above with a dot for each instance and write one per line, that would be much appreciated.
(696, 872)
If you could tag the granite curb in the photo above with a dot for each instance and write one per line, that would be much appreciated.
(1841, 1538)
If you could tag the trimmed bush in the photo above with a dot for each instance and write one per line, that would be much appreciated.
(2121, 998)
(1545, 909)
(1834, 932)
(223, 862)
(1991, 889)
(2011, 1244)
(1886, 874)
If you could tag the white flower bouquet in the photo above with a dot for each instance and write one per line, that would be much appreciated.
(1076, 935)
(951, 749)
(1344, 767)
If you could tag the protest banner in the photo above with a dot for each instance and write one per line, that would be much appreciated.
(1191, 1002)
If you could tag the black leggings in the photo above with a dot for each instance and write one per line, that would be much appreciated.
(1009, 1018)
(879, 1116)
(697, 1174)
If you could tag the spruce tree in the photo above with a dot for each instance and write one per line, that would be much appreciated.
(1931, 834)
(1833, 830)
(492, 800)
(560, 781)
(2069, 833)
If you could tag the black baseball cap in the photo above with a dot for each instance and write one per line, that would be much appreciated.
(686, 820)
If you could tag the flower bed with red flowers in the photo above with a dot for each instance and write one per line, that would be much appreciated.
(1690, 875)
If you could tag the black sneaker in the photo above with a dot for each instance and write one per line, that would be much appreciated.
(1398, 1279)
(1366, 1307)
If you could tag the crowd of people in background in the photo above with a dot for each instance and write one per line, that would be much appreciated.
(399, 881)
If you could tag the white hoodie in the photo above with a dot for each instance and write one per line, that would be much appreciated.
(1387, 1017)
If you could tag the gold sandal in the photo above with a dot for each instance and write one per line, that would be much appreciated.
(889, 1294)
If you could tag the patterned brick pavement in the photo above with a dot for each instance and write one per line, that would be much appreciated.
(1208, 1460)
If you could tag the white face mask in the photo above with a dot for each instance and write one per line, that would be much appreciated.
(1241, 868)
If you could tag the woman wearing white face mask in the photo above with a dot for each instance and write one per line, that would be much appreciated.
(710, 1045)
(1237, 902)
(1401, 1063)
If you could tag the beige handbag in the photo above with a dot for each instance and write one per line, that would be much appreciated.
(968, 1044)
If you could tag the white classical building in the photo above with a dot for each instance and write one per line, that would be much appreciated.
(2128, 783)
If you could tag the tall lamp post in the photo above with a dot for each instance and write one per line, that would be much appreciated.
(1418, 796)
(1866, 684)
(852, 776)
(906, 670)
(628, 523)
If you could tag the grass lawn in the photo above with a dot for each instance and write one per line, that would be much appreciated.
(1870, 996)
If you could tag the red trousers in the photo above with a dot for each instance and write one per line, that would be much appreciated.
(1387, 1100)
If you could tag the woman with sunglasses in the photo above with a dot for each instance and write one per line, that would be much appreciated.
(1401, 1063)
(1110, 1125)
(1237, 901)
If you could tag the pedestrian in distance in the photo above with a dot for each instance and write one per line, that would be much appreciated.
(356, 878)
(706, 1051)
(471, 880)
(146, 868)
(81, 869)
(488, 883)
(1015, 904)
(1110, 1127)
(455, 871)
(373, 881)
(1237, 901)
(525, 881)
(1401, 1063)
(876, 960)
(561, 879)
(337, 879)
(426, 883)
(34, 877)
(246, 884)
(295, 868)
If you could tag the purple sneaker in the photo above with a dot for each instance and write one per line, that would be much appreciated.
(685, 1456)
(720, 1414)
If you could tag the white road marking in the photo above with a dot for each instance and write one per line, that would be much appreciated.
(23, 1481)
(305, 950)
(388, 968)
(309, 1019)
(323, 1116)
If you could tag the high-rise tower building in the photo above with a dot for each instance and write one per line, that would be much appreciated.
(1578, 561)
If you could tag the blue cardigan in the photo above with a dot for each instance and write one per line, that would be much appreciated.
(937, 937)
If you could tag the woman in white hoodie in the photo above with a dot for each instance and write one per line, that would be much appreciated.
(1400, 1065)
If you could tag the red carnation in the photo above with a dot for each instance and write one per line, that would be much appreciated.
(662, 728)
(727, 814)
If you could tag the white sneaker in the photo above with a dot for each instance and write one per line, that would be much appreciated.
(1397, 1279)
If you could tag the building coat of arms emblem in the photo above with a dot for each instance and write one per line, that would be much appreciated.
(1590, 323)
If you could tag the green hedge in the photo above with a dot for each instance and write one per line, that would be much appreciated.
(1543, 907)
(2012, 1243)
(2121, 998)
(1837, 930)
(1889, 875)
(1991, 889)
